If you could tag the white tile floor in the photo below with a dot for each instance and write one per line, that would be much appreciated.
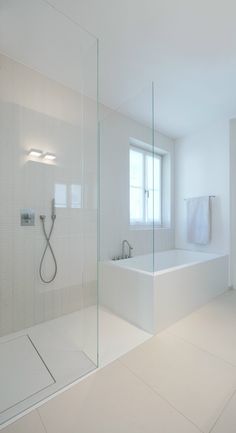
(181, 381)
(212, 328)
(197, 384)
(67, 345)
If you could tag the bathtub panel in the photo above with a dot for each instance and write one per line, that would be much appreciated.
(154, 301)
(128, 293)
(178, 292)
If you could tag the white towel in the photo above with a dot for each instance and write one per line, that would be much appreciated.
(198, 220)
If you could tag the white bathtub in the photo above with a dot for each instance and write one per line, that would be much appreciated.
(153, 292)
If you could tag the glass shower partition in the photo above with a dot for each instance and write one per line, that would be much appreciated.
(48, 139)
(127, 219)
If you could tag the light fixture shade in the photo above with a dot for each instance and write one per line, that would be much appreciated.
(49, 156)
(36, 153)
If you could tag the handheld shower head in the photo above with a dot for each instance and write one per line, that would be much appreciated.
(53, 209)
(48, 246)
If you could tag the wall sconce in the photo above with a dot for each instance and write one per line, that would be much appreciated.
(35, 153)
(49, 156)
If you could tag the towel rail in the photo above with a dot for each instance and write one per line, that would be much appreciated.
(210, 196)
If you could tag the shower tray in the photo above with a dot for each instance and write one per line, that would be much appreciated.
(23, 372)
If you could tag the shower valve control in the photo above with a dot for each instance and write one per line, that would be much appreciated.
(27, 217)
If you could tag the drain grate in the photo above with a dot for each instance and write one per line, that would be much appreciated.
(23, 372)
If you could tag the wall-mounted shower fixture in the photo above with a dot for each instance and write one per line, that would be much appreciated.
(27, 217)
(48, 245)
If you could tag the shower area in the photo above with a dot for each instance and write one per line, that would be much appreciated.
(49, 203)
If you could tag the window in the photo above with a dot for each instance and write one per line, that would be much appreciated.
(145, 187)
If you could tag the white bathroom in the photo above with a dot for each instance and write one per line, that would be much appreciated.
(117, 229)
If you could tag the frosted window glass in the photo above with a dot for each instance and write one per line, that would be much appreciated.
(136, 204)
(145, 187)
(136, 186)
(136, 169)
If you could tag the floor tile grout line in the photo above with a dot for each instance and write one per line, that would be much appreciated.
(169, 332)
(161, 396)
(42, 421)
(191, 344)
(222, 411)
(227, 364)
(213, 302)
(199, 311)
(37, 406)
(56, 391)
(200, 348)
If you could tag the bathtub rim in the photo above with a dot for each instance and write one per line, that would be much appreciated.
(215, 256)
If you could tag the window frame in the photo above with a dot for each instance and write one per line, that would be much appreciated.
(145, 223)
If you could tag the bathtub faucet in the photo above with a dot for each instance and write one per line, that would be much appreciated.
(124, 256)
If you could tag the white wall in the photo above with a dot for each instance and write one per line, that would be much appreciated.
(36, 112)
(116, 131)
(202, 168)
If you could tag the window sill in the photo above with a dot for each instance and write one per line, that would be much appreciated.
(148, 227)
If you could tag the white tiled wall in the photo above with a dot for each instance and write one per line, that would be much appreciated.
(36, 112)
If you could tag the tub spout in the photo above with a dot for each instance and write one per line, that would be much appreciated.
(125, 242)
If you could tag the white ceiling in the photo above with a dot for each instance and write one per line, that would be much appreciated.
(187, 47)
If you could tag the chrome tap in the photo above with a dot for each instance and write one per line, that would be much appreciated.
(123, 250)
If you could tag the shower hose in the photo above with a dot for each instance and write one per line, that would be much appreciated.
(48, 246)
